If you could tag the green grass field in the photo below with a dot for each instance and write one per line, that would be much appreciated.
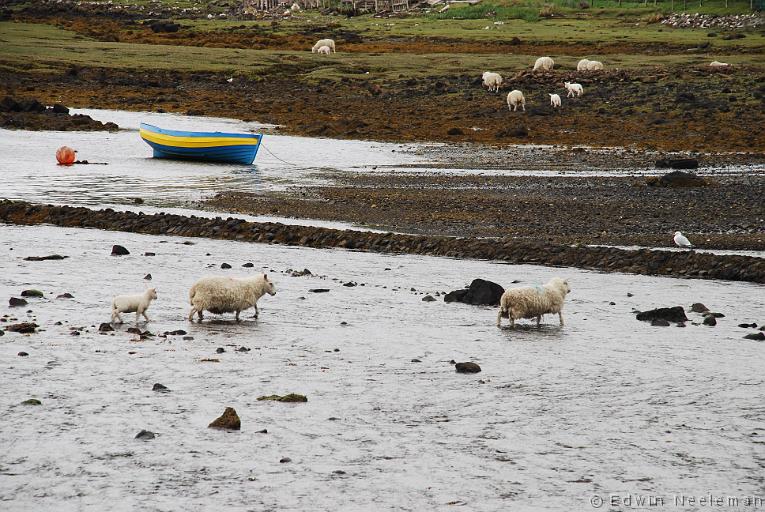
(35, 47)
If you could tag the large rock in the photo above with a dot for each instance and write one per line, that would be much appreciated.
(118, 250)
(467, 367)
(15, 302)
(480, 292)
(675, 314)
(758, 336)
(229, 420)
(23, 328)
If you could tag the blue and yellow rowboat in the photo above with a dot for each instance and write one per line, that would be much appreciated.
(238, 148)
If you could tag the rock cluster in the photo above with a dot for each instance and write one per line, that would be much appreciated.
(669, 263)
(696, 20)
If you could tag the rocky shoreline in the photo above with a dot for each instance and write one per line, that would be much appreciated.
(30, 114)
(665, 263)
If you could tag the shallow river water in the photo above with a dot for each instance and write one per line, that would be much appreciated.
(605, 405)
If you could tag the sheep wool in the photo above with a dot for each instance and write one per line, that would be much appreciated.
(533, 301)
(220, 295)
(544, 64)
(514, 99)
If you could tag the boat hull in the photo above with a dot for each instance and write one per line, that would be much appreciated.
(239, 148)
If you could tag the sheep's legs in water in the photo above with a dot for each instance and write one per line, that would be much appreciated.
(539, 321)
(237, 317)
(560, 315)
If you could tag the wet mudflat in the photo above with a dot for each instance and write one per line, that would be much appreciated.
(605, 404)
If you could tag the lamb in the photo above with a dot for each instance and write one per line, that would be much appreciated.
(515, 98)
(573, 89)
(554, 100)
(544, 64)
(492, 80)
(718, 64)
(533, 301)
(227, 294)
(324, 50)
(324, 42)
(137, 304)
(295, 7)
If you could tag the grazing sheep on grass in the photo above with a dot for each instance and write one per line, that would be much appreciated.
(573, 89)
(324, 42)
(554, 100)
(137, 304)
(324, 50)
(595, 65)
(220, 295)
(533, 301)
(492, 80)
(515, 98)
(544, 64)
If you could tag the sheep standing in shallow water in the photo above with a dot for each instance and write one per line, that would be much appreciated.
(554, 100)
(228, 295)
(492, 80)
(324, 42)
(573, 89)
(515, 98)
(533, 301)
(137, 303)
(544, 64)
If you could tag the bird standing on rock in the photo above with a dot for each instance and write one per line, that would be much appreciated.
(681, 241)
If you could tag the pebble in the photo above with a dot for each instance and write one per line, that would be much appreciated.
(160, 388)
(467, 367)
(285, 460)
(22, 354)
(229, 420)
(145, 434)
(118, 250)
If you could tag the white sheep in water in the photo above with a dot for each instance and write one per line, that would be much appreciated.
(544, 64)
(533, 301)
(324, 50)
(554, 100)
(515, 98)
(324, 42)
(220, 295)
(137, 303)
(573, 89)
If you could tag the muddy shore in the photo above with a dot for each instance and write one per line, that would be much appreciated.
(688, 264)
(727, 214)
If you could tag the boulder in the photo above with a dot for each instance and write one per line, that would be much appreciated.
(674, 314)
(118, 250)
(31, 401)
(15, 302)
(23, 328)
(32, 293)
(710, 320)
(160, 388)
(428, 298)
(480, 292)
(467, 367)
(225, 266)
(758, 336)
(229, 420)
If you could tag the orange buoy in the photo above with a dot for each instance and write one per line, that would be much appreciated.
(65, 155)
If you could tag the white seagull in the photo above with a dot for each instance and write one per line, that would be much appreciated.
(681, 241)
